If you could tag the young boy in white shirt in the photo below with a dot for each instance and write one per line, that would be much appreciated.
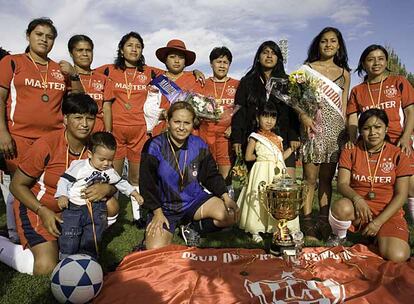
(84, 222)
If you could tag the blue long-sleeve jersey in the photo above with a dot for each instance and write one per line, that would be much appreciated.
(160, 181)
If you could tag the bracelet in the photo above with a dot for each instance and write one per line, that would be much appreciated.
(38, 208)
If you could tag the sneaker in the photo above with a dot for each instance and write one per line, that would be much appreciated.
(335, 240)
(323, 228)
(257, 238)
(308, 228)
(190, 236)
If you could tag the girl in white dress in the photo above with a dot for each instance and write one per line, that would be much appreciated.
(266, 149)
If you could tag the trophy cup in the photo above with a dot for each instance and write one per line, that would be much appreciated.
(282, 199)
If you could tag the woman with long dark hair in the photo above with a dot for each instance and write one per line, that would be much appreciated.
(251, 95)
(323, 136)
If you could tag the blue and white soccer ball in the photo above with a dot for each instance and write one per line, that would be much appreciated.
(76, 279)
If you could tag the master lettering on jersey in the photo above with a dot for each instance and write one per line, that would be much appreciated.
(96, 96)
(383, 105)
(134, 87)
(368, 179)
(49, 85)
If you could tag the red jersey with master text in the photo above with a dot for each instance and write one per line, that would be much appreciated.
(27, 114)
(186, 82)
(392, 164)
(397, 94)
(223, 93)
(130, 92)
(45, 161)
(99, 87)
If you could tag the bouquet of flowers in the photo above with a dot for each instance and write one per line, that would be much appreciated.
(238, 175)
(204, 107)
(300, 92)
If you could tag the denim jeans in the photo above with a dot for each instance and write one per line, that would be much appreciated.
(77, 232)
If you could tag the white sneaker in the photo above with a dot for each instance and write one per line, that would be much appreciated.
(257, 238)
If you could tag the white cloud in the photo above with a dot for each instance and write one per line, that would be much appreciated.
(239, 24)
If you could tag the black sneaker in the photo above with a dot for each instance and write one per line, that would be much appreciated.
(190, 236)
(335, 240)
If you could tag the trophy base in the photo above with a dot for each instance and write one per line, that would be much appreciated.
(279, 250)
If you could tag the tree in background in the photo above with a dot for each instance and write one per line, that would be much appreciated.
(396, 67)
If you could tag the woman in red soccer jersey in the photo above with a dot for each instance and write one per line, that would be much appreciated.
(130, 77)
(327, 62)
(223, 89)
(176, 58)
(96, 85)
(392, 93)
(35, 181)
(373, 180)
(31, 91)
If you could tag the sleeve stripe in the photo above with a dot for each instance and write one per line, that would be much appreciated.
(68, 177)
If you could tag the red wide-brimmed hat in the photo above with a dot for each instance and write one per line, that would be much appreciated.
(176, 45)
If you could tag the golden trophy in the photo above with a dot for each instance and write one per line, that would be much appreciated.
(282, 199)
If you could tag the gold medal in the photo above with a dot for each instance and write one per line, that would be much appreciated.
(371, 195)
(128, 106)
(45, 97)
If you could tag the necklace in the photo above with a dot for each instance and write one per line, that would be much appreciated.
(219, 100)
(379, 94)
(128, 88)
(45, 97)
(371, 193)
(83, 80)
(180, 172)
(172, 76)
(67, 153)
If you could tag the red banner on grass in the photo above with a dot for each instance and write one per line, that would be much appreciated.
(178, 274)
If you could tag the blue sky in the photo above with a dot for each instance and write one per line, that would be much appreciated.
(239, 24)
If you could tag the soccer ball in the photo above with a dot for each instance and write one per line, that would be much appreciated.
(76, 279)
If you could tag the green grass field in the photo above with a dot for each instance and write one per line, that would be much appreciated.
(119, 241)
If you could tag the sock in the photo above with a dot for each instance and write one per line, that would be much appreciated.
(205, 226)
(112, 220)
(410, 208)
(15, 256)
(9, 199)
(4, 185)
(11, 220)
(136, 214)
(324, 211)
(339, 228)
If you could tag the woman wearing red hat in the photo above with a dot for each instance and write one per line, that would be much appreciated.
(176, 57)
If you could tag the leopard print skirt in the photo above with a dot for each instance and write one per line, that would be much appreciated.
(324, 145)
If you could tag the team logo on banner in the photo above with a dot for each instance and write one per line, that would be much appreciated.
(390, 91)
(295, 290)
(97, 85)
(57, 75)
(387, 166)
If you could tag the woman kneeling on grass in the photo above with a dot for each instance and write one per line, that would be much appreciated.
(373, 179)
(176, 168)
